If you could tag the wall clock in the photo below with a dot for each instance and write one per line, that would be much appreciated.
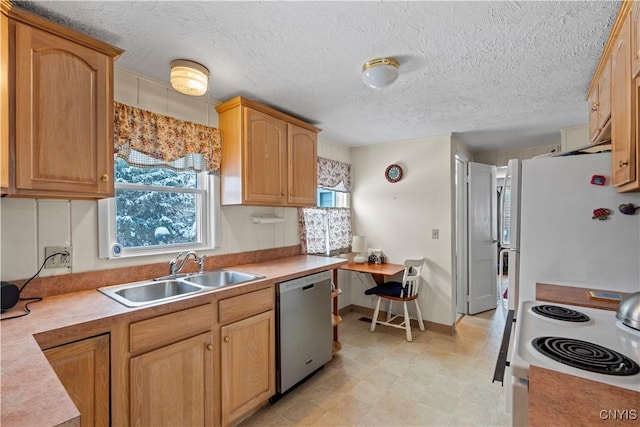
(393, 173)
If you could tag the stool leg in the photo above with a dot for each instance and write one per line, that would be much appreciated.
(374, 319)
(420, 322)
(389, 311)
(407, 322)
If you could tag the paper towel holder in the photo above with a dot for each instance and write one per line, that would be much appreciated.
(266, 219)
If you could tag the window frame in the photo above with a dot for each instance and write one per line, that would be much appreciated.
(208, 212)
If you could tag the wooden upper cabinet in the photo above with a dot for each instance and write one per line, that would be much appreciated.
(619, 60)
(4, 103)
(265, 180)
(268, 157)
(635, 39)
(303, 165)
(600, 105)
(622, 131)
(61, 120)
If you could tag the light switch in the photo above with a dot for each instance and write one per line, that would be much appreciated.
(435, 233)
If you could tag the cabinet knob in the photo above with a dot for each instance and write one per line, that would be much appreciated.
(226, 339)
(594, 106)
(209, 346)
(104, 178)
(623, 164)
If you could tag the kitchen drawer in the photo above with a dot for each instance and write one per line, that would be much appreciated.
(243, 306)
(166, 329)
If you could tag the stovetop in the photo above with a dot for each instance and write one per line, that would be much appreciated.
(597, 327)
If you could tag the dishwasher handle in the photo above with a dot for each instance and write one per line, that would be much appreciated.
(306, 288)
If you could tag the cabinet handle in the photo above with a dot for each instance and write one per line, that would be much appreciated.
(594, 106)
(209, 346)
(226, 339)
(623, 164)
(104, 178)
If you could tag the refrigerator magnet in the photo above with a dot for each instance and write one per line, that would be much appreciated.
(597, 179)
(601, 214)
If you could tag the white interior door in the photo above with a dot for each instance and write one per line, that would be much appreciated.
(483, 239)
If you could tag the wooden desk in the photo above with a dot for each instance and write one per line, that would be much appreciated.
(377, 271)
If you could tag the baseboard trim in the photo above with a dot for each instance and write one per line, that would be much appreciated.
(430, 326)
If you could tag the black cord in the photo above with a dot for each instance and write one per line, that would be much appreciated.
(40, 269)
(26, 307)
(34, 299)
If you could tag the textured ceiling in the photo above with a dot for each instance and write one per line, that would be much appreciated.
(498, 74)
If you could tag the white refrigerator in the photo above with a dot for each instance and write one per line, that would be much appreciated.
(554, 238)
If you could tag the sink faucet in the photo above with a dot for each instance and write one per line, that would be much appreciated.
(175, 265)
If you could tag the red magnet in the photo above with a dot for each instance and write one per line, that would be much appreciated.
(597, 179)
(601, 214)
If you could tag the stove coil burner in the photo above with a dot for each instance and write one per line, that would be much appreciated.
(586, 355)
(559, 313)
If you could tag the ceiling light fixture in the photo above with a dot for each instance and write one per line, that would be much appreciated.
(380, 72)
(189, 77)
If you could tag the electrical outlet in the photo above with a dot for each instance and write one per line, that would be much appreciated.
(58, 261)
(435, 233)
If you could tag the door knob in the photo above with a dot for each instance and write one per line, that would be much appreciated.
(226, 339)
(209, 346)
(622, 164)
(594, 106)
(104, 178)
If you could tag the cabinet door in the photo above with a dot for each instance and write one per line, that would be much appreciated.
(623, 150)
(265, 173)
(173, 385)
(4, 103)
(64, 123)
(302, 166)
(593, 114)
(635, 39)
(600, 103)
(83, 369)
(248, 365)
(604, 96)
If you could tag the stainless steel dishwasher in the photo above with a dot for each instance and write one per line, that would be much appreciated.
(304, 328)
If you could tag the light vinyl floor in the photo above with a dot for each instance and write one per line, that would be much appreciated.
(380, 379)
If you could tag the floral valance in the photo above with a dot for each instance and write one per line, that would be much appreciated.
(325, 231)
(166, 139)
(334, 175)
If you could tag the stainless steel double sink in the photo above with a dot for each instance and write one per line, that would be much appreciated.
(166, 289)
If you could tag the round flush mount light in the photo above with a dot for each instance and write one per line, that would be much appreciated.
(189, 77)
(380, 72)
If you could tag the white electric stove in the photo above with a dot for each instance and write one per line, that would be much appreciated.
(580, 341)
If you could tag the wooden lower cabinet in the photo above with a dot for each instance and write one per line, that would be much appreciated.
(247, 365)
(173, 385)
(83, 369)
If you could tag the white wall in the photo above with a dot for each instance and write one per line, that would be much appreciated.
(28, 225)
(398, 218)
